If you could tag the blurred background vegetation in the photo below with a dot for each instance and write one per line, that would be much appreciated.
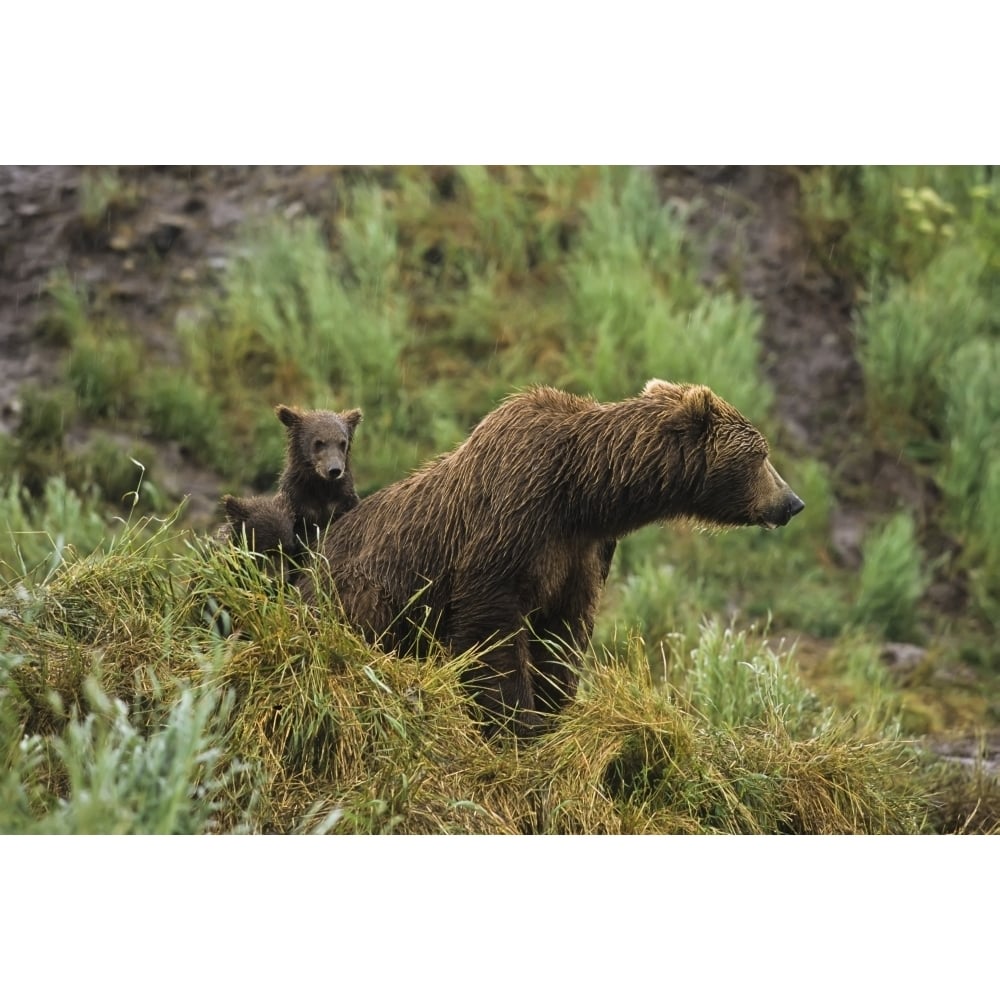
(180, 306)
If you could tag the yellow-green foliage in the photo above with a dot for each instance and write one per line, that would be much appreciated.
(879, 222)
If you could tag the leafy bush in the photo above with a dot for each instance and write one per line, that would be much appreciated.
(639, 312)
(287, 298)
(908, 339)
(103, 369)
(892, 579)
(879, 223)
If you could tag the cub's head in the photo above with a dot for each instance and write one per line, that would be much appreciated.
(263, 522)
(319, 441)
(727, 477)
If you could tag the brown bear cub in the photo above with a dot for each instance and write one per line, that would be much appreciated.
(317, 484)
(315, 488)
(504, 544)
(265, 523)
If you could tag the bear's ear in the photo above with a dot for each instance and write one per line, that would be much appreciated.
(657, 386)
(236, 509)
(288, 416)
(696, 405)
(352, 418)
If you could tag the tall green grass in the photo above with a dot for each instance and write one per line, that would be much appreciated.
(639, 311)
(971, 475)
(103, 369)
(893, 579)
(37, 537)
(289, 303)
(909, 338)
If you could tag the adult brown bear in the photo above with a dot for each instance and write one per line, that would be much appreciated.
(504, 543)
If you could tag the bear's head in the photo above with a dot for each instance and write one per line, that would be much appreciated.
(727, 478)
(319, 441)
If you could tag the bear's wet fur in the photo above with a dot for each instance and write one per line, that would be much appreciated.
(504, 544)
(265, 523)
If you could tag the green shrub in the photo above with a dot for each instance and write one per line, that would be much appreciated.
(118, 777)
(102, 189)
(65, 313)
(102, 370)
(973, 423)
(502, 222)
(879, 223)
(908, 339)
(892, 579)
(334, 329)
(115, 473)
(639, 312)
(971, 475)
(734, 678)
(179, 409)
(43, 420)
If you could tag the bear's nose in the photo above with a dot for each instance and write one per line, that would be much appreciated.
(794, 506)
(335, 472)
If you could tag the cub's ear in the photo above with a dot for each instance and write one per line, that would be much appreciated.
(236, 509)
(287, 415)
(696, 405)
(352, 418)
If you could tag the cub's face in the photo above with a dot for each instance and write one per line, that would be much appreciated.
(321, 439)
(325, 444)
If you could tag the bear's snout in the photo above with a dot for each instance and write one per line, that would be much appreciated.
(789, 506)
(334, 472)
(792, 506)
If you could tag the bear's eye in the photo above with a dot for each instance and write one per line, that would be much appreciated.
(318, 444)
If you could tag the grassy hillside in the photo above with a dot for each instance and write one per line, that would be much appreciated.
(743, 682)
